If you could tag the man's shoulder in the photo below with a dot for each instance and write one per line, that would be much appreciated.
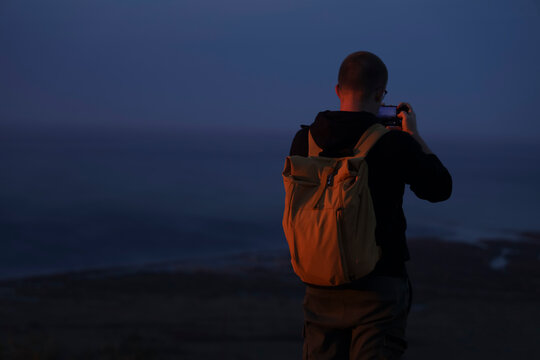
(397, 137)
(394, 142)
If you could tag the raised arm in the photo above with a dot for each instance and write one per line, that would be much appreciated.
(428, 177)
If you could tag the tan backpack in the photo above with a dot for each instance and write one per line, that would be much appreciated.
(329, 221)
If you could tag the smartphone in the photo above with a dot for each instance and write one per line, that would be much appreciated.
(388, 115)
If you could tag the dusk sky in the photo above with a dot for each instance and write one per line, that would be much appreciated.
(469, 68)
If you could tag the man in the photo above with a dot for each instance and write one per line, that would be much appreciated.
(366, 319)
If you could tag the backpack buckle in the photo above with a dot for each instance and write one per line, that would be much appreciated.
(330, 180)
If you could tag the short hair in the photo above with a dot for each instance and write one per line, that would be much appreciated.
(364, 72)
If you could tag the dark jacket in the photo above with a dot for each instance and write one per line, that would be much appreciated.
(395, 160)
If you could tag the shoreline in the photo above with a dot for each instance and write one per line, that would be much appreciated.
(244, 257)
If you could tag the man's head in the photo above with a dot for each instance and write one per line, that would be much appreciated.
(361, 82)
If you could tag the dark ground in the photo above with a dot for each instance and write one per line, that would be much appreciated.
(462, 309)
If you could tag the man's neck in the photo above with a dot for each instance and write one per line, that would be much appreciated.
(357, 106)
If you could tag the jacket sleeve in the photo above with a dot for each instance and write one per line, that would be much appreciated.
(427, 176)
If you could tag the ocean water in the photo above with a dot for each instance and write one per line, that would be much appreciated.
(495, 194)
(85, 199)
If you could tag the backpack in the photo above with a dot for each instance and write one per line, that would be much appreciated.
(329, 220)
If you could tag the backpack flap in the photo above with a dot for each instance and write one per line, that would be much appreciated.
(309, 219)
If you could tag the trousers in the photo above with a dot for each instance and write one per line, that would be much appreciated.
(366, 322)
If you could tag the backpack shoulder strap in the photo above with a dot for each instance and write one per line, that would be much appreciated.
(313, 148)
(368, 139)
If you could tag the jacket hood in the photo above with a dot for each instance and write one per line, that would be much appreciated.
(337, 132)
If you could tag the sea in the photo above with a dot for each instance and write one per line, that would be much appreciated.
(75, 199)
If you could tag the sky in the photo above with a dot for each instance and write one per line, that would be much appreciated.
(469, 68)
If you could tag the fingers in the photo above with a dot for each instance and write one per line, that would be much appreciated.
(394, 128)
(402, 115)
(405, 105)
(408, 118)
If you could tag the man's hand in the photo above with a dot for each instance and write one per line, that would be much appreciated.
(408, 118)
(408, 124)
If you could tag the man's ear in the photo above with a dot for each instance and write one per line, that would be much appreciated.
(338, 91)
